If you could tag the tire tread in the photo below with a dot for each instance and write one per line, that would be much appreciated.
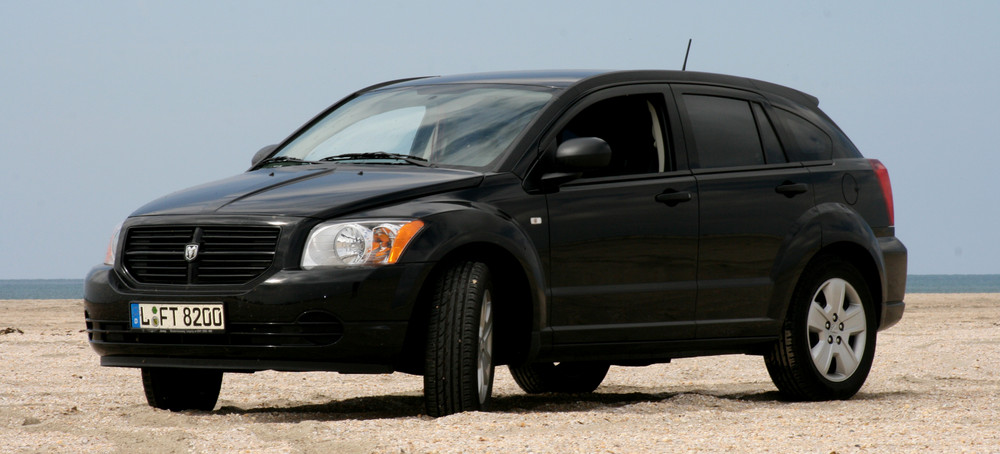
(450, 381)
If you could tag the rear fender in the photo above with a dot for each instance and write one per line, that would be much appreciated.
(820, 228)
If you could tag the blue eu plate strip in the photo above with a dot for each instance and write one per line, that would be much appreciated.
(135, 315)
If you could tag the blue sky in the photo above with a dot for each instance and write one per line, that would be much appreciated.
(107, 105)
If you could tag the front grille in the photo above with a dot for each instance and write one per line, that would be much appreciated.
(226, 254)
(312, 328)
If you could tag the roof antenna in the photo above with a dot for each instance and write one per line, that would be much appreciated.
(684, 68)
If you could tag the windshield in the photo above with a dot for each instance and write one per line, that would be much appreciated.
(451, 125)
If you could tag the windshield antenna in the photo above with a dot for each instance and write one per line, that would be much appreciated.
(684, 68)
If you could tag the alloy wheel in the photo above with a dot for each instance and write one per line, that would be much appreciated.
(837, 330)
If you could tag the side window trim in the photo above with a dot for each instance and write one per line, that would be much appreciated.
(687, 130)
(592, 181)
(716, 170)
(784, 135)
(766, 129)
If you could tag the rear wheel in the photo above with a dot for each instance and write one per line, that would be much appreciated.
(828, 341)
(181, 389)
(571, 377)
(458, 373)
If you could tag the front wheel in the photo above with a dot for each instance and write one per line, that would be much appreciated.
(828, 341)
(458, 373)
(181, 389)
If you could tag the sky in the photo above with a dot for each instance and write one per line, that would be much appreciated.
(106, 105)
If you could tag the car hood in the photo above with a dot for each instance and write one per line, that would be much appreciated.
(310, 190)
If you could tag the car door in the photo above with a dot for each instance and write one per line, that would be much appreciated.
(750, 199)
(624, 238)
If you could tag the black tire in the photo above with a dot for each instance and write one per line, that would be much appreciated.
(459, 368)
(181, 389)
(582, 377)
(828, 356)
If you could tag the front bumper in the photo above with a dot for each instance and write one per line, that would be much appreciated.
(347, 320)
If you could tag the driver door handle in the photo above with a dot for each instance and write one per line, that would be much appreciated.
(673, 198)
(790, 189)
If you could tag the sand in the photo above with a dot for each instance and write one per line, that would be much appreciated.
(935, 385)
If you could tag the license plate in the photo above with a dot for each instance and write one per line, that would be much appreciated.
(178, 316)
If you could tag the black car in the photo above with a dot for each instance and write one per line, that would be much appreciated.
(555, 222)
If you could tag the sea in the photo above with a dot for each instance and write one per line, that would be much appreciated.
(22, 289)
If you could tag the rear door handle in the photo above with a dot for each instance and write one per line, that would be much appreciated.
(673, 198)
(790, 189)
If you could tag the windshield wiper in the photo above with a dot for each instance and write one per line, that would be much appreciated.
(415, 160)
(285, 159)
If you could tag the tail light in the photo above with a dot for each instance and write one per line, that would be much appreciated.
(883, 180)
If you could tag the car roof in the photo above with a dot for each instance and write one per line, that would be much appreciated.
(544, 78)
(563, 79)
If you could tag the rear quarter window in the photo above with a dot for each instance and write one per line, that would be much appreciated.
(809, 142)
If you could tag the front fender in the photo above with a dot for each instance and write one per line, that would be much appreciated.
(451, 228)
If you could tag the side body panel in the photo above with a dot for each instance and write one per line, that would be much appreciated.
(623, 265)
(745, 224)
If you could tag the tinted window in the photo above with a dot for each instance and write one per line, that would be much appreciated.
(724, 131)
(844, 147)
(768, 139)
(633, 128)
(811, 143)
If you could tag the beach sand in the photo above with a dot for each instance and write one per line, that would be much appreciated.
(935, 385)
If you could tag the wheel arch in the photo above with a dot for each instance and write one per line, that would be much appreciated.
(516, 272)
(864, 262)
(828, 230)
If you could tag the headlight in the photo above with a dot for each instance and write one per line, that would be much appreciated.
(378, 242)
(109, 256)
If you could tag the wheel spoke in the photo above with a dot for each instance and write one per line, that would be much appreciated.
(854, 321)
(486, 326)
(485, 364)
(847, 361)
(822, 355)
(834, 291)
(818, 317)
(486, 358)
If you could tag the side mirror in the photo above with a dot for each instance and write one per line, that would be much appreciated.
(584, 153)
(575, 156)
(261, 154)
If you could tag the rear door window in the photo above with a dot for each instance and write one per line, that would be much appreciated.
(724, 131)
